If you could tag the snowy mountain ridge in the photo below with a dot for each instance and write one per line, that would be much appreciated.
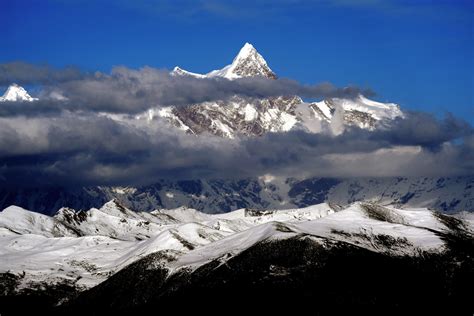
(84, 249)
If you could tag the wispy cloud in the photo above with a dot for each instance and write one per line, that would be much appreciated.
(263, 9)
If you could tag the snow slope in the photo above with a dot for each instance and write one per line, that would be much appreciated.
(18, 221)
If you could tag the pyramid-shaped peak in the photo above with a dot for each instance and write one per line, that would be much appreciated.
(247, 63)
(248, 53)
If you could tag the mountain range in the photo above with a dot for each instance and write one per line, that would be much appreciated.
(253, 118)
(445, 194)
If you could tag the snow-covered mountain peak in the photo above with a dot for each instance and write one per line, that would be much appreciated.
(16, 93)
(240, 115)
(247, 63)
(247, 51)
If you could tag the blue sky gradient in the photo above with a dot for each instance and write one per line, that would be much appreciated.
(415, 53)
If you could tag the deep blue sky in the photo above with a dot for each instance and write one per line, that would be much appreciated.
(415, 53)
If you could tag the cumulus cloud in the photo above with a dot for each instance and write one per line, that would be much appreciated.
(73, 150)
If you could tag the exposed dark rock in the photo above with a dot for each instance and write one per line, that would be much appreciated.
(330, 276)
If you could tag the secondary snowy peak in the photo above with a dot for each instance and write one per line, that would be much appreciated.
(360, 111)
(248, 63)
(177, 71)
(377, 110)
(16, 93)
(16, 220)
(113, 220)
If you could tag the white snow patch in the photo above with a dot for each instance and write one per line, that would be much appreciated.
(250, 113)
(288, 121)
